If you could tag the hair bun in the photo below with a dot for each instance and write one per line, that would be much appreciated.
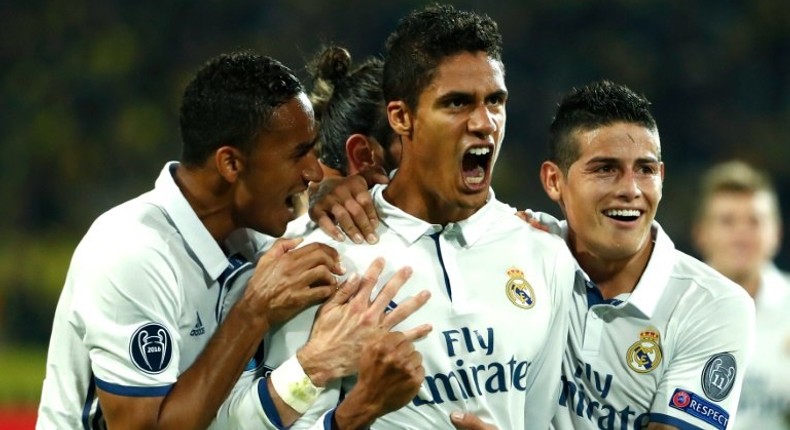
(333, 64)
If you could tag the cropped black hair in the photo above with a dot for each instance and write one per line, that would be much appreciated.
(594, 105)
(230, 101)
(424, 38)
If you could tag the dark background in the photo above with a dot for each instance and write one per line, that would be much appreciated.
(89, 94)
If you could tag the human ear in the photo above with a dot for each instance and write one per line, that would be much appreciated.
(400, 118)
(229, 162)
(359, 152)
(551, 179)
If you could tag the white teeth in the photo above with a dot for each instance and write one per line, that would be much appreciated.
(483, 150)
(476, 177)
(623, 212)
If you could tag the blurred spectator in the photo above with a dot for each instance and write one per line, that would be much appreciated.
(737, 231)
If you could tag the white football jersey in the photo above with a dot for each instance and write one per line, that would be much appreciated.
(499, 305)
(765, 400)
(673, 351)
(142, 297)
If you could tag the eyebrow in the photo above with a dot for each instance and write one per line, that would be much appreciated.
(614, 160)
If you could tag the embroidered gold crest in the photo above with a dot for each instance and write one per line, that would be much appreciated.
(644, 355)
(518, 289)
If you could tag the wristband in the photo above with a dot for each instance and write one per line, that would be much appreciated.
(294, 386)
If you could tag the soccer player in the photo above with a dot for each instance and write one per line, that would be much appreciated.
(354, 136)
(657, 339)
(499, 288)
(737, 230)
(140, 339)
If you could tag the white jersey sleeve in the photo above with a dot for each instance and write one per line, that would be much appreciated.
(249, 406)
(129, 321)
(703, 382)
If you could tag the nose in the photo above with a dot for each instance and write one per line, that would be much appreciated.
(312, 171)
(628, 186)
(483, 121)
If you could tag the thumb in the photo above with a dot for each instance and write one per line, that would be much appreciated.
(467, 421)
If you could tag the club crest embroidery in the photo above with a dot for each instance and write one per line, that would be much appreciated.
(151, 348)
(518, 289)
(644, 355)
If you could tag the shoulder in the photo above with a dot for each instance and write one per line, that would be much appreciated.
(706, 289)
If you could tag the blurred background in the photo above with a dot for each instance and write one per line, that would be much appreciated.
(89, 95)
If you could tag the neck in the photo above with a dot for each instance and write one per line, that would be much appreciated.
(750, 281)
(207, 194)
(408, 192)
(614, 277)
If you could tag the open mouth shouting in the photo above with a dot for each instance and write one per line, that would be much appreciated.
(476, 167)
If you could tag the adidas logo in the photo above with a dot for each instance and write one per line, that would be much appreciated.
(198, 329)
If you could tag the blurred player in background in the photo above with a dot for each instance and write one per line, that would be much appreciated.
(737, 230)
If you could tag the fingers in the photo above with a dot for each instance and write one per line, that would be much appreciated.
(347, 289)
(345, 202)
(369, 281)
(418, 332)
(326, 225)
(311, 296)
(317, 254)
(280, 247)
(374, 175)
(467, 421)
(348, 224)
(390, 289)
(406, 309)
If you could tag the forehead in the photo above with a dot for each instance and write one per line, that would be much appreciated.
(620, 141)
(291, 123)
(467, 72)
(744, 201)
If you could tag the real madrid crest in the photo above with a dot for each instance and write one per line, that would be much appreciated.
(644, 355)
(518, 289)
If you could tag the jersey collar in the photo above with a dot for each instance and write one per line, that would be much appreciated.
(410, 228)
(186, 221)
(655, 278)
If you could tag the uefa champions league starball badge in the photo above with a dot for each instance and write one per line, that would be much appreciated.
(518, 289)
(644, 355)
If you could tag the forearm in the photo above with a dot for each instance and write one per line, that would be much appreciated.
(197, 395)
(356, 411)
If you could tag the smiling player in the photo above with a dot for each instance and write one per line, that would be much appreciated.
(658, 339)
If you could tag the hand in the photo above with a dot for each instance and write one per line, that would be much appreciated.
(287, 280)
(346, 202)
(349, 321)
(528, 217)
(467, 421)
(390, 375)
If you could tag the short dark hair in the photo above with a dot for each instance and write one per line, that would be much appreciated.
(738, 177)
(424, 38)
(347, 101)
(230, 101)
(591, 106)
